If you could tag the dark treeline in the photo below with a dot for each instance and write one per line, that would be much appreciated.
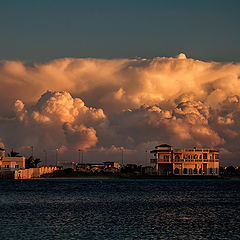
(229, 171)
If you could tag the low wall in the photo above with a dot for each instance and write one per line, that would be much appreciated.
(33, 172)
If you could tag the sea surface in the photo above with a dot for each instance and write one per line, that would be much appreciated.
(119, 209)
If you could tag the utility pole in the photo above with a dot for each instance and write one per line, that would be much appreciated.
(146, 156)
(122, 156)
(32, 150)
(45, 160)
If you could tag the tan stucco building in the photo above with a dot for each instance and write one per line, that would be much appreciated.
(11, 163)
(185, 161)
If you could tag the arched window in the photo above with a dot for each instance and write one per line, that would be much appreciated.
(190, 171)
(200, 171)
(195, 156)
(185, 171)
(195, 170)
(176, 171)
(211, 171)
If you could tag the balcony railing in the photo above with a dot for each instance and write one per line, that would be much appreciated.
(181, 160)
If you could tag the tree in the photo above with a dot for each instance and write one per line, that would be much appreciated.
(13, 154)
(32, 162)
(231, 170)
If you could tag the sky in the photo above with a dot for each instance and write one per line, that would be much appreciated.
(44, 30)
(113, 76)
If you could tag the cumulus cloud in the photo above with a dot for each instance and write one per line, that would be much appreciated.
(130, 103)
(58, 118)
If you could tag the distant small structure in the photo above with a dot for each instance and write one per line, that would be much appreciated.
(111, 167)
(66, 165)
(185, 161)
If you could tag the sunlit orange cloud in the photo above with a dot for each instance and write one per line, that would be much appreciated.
(97, 103)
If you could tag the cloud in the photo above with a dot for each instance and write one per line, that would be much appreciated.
(131, 103)
(58, 118)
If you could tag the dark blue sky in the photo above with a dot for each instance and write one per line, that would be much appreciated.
(45, 30)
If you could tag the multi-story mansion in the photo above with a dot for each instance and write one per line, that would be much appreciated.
(185, 161)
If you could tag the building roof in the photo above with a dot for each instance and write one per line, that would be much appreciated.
(163, 145)
(214, 150)
(157, 150)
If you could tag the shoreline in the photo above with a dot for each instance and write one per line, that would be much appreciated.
(129, 176)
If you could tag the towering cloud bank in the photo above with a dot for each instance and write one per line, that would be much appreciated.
(134, 103)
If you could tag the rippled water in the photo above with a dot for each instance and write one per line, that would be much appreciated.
(120, 209)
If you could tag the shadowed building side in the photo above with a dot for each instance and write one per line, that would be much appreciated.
(185, 161)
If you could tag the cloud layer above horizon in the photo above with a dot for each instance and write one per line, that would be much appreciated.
(102, 105)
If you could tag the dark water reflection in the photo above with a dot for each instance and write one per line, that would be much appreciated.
(120, 209)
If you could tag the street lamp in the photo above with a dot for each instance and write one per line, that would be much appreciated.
(122, 155)
(146, 155)
(79, 152)
(56, 156)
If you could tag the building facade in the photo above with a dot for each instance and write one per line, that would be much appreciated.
(11, 163)
(185, 161)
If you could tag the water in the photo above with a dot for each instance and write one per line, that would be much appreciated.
(120, 209)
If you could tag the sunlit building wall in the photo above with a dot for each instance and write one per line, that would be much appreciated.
(11, 163)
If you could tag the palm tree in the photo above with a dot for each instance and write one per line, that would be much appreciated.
(13, 154)
(32, 162)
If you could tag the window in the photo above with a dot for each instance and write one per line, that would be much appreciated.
(16, 166)
(166, 157)
(211, 171)
(204, 155)
(177, 157)
(200, 171)
(195, 171)
(185, 171)
(176, 171)
(6, 166)
(216, 156)
(196, 156)
(200, 156)
(190, 171)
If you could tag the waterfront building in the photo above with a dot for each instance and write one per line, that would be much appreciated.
(111, 165)
(11, 163)
(185, 161)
